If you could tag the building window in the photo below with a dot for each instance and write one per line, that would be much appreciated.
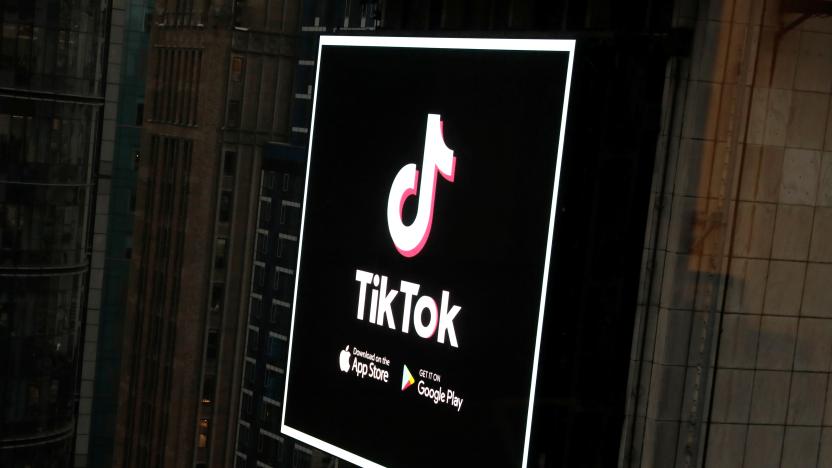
(281, 449)
(285, 182)
(220, 253)
(282, 282)
(175, 96)
(204, 427)
(244, 436)
(225, 206)
(263, 243)
(237, 67)
(217, 293)
(230, 163)
(274, 313)
(301, 459)
(277, 279)
(253, 339)
(139, 113)
(246, 405)
(273, 384)
(213, 344)
(263, 411)
(259, 275)
(265, 212)
(255, 308)
(279, 248)
(269, 346)
(268, 179)
(273, 346)
(249, 373)
(233, 120)
(208, 389)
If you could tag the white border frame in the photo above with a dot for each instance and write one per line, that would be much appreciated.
(550, 45)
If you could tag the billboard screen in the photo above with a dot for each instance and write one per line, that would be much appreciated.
(426, 235)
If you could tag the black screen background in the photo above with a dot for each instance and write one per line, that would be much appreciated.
(501, 113)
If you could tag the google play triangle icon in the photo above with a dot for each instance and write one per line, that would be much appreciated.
(407, 378)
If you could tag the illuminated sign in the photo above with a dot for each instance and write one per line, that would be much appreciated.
(426, 236)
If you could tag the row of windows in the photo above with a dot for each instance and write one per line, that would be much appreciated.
(278, 312)
(269, 446)
(272, 382)
(180, 13)
(61, 145)
(176, 90)
(272, 15)
(260, 87)
(268, 411)
(269, 178)
(41, 225)
(217, 299)
(260, 400)
(284, 245)
(38, 319)
(283, 282)
(159, 285)
(62, 60)
(82, 15)
(275, 344)
(226, 198)
(289, 213)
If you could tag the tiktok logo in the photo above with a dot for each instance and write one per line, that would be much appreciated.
(437, 159)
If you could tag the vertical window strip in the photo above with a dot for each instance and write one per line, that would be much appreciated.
(157, 83)
(161, 113)
(174, 82)
(195, 88)
(163, 84)
(190, 85)
(186, 94)
(168, 83)
(277, 121)
(181, 85)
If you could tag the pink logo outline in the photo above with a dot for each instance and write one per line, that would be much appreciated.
(437, 158)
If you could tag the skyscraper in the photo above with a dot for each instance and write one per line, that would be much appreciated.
(112, 235)
(270, 309)
(219, 87)
(258, 441)
(52, 67)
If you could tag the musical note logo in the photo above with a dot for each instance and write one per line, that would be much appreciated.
(437, 159)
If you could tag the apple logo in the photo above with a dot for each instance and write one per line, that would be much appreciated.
(344, 359)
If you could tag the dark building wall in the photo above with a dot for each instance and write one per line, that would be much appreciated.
(167, 302)
(732, 352)
(269, 312)
(51, 95)
(218, 87)
(112, 243)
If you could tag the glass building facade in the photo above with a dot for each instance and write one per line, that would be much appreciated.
(51, 97)
(128, 45)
